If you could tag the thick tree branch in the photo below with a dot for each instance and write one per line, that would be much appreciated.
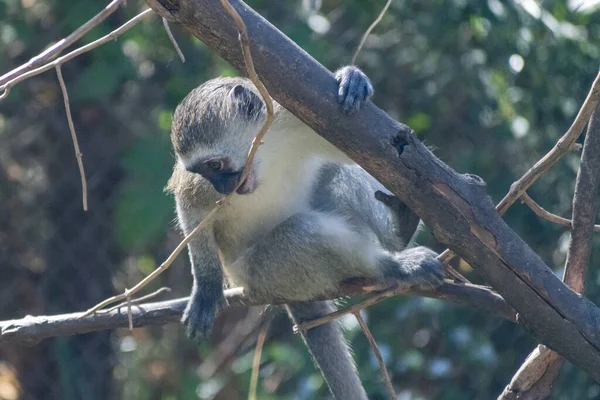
(456, 207)
(30, 330)
(534, 379)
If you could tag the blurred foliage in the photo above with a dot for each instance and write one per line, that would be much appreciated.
(490, 85)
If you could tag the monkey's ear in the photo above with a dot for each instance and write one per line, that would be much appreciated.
(248, 103)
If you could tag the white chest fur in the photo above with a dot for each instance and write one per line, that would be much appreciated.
(286, 171)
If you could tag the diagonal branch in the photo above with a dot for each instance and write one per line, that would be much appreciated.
(30, 330)
(562, 147)
(456, 207)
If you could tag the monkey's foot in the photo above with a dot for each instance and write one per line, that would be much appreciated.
(354, 88)
(417, 267)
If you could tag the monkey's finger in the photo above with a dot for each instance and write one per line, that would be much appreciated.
(342, 78)
(354, 93)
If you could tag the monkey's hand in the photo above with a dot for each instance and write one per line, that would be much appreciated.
(416, 267)
(354, 88)
(201, 310)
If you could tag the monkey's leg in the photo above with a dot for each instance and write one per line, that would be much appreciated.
(311, 254)
(305, 256)
(329, 350)
(417, 266)
(405, 220)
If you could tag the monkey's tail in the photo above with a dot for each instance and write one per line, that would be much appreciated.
(329, 350)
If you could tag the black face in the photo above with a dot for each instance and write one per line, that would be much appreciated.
(219, 172)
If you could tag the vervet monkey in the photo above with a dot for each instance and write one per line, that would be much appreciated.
(304, 221)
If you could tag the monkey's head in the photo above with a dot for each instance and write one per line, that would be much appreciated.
(213, 129)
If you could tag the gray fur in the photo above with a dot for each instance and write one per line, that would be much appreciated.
(329, 350)
(311, 222)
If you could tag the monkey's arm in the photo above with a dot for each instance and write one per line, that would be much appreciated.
(207, 287)
(194, 198)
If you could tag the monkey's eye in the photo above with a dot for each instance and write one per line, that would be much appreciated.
(215, 165)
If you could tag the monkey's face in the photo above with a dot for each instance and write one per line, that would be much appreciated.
(213, 130)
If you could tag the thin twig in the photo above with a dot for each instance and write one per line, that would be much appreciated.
(368, 32)
(65, 94)
(5, 88)
(541, 212)
(245, 43)
(139, 299)
(562, 146)
(233, 344)
(376, 298)
(382, 368)
(62, 44)
(173, 41)
(166, 264)
(256, 361)
(129, 314)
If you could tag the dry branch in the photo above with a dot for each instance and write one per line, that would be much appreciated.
(540, 212)
(382, 368)
(262, 335)
(369, 30)
(161, 268)
(456, 207)
(54, 50)
(565, 144)
(173, 41)
(562, 147)
(30, 330)
(6, 86)
(537, 374)
(63, 88)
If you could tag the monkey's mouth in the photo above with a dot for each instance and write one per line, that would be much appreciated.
(249, 185)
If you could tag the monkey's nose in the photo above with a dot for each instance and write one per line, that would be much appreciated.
(225, 183)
